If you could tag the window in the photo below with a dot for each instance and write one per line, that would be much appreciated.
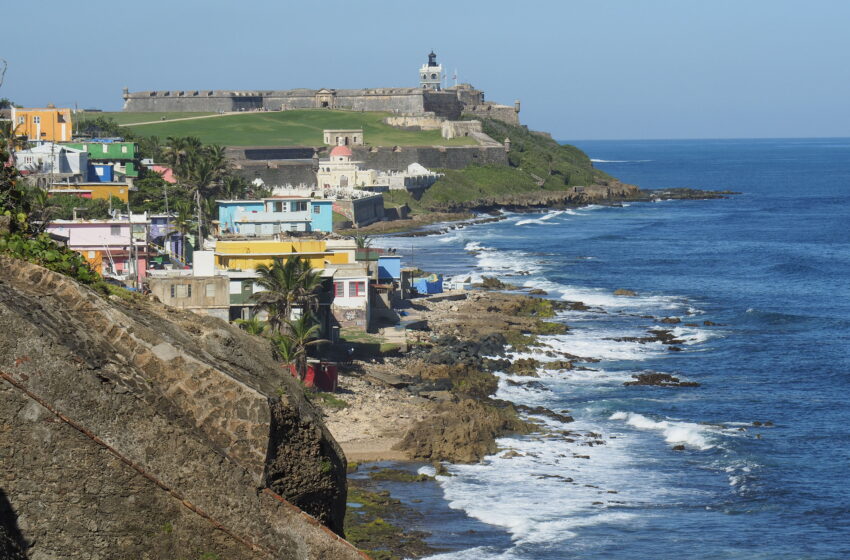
(356, 289)
(317, 209)
(114, 230)
(298, 206)
(105, 148)
(339, 289)
(433, 76)
(123, 149)
(209, 290)
(36, 120)
(278, 206)
(21, 120)
(181, 290)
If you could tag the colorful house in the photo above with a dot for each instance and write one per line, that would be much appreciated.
(276, 215)
(58, 161)
(116, 248)
(43, 125)
(240, 259)
(110, 157)
(120, 191)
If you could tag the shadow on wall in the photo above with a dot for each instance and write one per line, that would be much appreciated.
(12, 541)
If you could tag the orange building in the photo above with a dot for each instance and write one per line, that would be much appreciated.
(94, 190)
(43, 125)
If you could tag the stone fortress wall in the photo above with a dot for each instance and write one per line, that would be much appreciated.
(449, 104)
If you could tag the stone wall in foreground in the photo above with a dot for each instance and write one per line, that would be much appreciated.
(132, 430)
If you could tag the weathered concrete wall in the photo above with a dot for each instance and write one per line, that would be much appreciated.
(428, 121)
(131, 430)
(443, 103)
(502, 113)
(278, 173)
(455, 129)
(295, 172)
(397, 159)
(361, 211)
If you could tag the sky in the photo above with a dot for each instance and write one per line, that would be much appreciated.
(583, 69)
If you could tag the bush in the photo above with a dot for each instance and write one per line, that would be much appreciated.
(42, 250)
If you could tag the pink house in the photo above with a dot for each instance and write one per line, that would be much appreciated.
(166, 172)
(112, 247)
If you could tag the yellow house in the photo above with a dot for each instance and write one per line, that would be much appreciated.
(48, 124)
(248, 255)
(93, 190)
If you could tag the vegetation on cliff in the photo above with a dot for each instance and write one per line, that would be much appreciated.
(537, 164)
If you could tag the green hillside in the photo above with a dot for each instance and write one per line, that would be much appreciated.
(288, 128)
(536, 163)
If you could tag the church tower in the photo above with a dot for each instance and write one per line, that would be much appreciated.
(431, 74)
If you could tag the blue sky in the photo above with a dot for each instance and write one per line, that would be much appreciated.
(589, 69)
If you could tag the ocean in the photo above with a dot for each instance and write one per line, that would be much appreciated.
(769, 268)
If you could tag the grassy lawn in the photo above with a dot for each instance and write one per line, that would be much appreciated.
(125, 118)
(289, 128)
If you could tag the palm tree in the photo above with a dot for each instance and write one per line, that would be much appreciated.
(362, 241)
(302, 333)
(286, 285)
(10, 139)
(182, 225)
(251, 326)
(203, 180)
(174, 153)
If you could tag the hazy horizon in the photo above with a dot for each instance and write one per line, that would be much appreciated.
(619, 70)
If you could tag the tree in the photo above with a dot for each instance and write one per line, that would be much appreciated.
(292, 346)
(362, 241)
(251, 326)
(286, 285)
(182, 225)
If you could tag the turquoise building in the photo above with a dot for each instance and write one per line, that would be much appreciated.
(275, 215)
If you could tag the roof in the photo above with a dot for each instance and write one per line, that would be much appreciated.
(341, 151)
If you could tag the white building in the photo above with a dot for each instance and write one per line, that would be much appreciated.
(431, 74)
(53, 158)
(340, 172)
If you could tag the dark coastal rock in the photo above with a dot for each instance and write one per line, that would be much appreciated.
(655, 335)
(671, 320)
(659, 380)
(543, 411)
(538, 292)
(625, 293)
(559, 364)
(679, 447)
(462, 432)
(526, 367)
(528, 384)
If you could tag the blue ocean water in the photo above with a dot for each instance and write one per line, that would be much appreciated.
(770, 267)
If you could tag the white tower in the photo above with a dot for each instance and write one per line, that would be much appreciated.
(431, 74)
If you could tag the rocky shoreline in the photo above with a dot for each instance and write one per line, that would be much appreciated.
(466, 214)
(435, 404)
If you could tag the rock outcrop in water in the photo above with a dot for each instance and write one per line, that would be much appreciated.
(131, 430)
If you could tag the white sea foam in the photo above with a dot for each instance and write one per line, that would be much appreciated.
(594, 160)
(543, 220)
(675, 433)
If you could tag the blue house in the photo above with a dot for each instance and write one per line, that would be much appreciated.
(389, 268)
(100, 172)
(271, 216)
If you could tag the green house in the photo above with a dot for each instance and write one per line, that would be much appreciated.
(123, 155)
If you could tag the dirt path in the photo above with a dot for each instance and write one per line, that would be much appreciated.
(182, 119)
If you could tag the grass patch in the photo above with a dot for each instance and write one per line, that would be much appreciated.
(328, 400)
(293, 128)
